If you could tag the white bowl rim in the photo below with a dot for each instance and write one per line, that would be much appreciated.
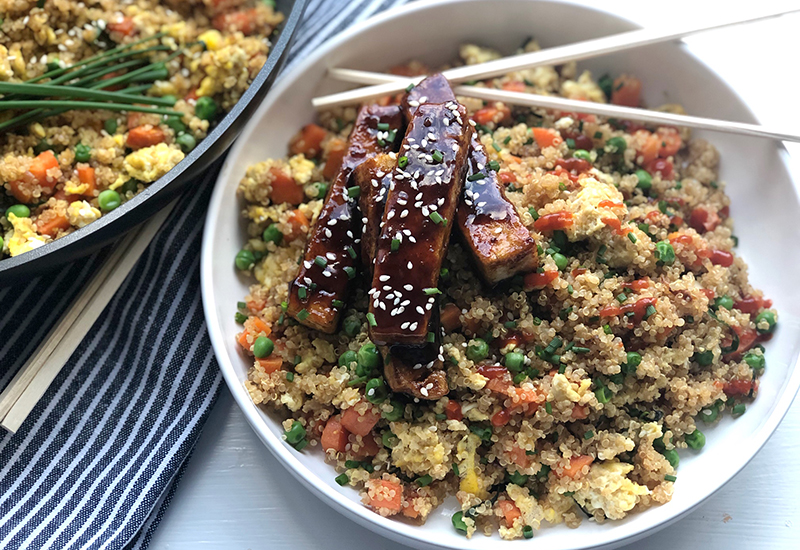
(395, 530)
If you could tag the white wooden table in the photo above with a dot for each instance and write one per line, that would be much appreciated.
(235, 495)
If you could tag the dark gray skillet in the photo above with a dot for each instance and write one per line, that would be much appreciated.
(162, 191)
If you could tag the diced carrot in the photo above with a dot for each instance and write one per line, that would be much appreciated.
(576, 464)
(579, 412)
(257, 326)
(627, 90)
(749, 304)
(360, 423)
(382, 493)
(670, 141)
(336, 153)
(134, 119)
(63, 196)
(298, 225)
(334, 436)
(740, 387)
(533, 281)
(308, 141)
(609, 204)
(192, 95)
(241, 338)
(50, 222)
(410, 512)
(661, 166)
(45, 169)
(450, 317)
(648, 150)
(369, 447)
(284, 188)
(510, 511)
(500, 418)
(270, 364)
(747, 338)
(545, 137)
(494, 113)
(514, 86)
(144, 136)
(453, 410)
(721, 257)
(507, 177)
(124, 26)
(20, 191)
(613, 223)
(245, 21)
(256, 305)
(554, 221)
(519, 456)
(578, 166)
(86, 175)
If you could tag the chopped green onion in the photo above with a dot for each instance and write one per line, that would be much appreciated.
(437, 156)
(371, 320)
(342, 479)
(476, 176)
(402, 162)
(321, 261)
(436, 218)
(395, 245)
(354, 191)
(671, 478)
(431, 291)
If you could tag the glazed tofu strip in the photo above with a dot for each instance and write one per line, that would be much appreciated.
(488, 222)
(501, 245)
(417, 370)
(317, 296)
(420, 213)
(373, 177)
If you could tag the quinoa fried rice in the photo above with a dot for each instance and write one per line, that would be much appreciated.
(571, 387)
(62, 172)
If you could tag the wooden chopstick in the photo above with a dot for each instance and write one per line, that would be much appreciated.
(549, 56)
(572, 105)
(27, 387)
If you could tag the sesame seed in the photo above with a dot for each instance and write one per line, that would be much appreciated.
(409, 287)
(328, 233)
(404, 326)
(404, 213)
(420, 310)
(384, 278)
(410, 266)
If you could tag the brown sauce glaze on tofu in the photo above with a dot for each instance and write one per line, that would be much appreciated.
(373, 177)
(317, 296)
(501, 245)
(420, 213)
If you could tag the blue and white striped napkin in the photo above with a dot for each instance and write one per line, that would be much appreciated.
(97, 462)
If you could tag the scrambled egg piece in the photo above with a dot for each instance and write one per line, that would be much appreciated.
(563, 389)
(301, 168)
(24, 238)
(585, 209)
(420, 450)
(82, 213)
(607, 488)
(584, 88)
(212, 39)
(471, 481)
(150, 163)
(472, 54)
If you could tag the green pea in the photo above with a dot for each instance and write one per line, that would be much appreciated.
(696, 440)
(41, 147)
(347, 358)
(272, 234)
(633, 359)
(245, 260)
(295, 434)
(205, 108)
(724, 301)
(703, 358)
(176, 124)
(458, 522)
(478, 350)
(709, 414)
(582, 154)
(186, 142)
(376, 391)
(517, 478)
(756, 361)
(767, 316)
(19, 210)
(515, 361)
(389, 440)
(110, 125)
(672, 457)
(171, 98)
(320, 190)
(108, 200)
(352, 326)
(396, 413)
(665, 254)
(645, 179)
(130, 186)
(561, 261)
(263, 347)
(368, 356)
(617, 144)
(83, 153)
(53, 64)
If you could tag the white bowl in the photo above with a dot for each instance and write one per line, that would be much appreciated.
(764, 205)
